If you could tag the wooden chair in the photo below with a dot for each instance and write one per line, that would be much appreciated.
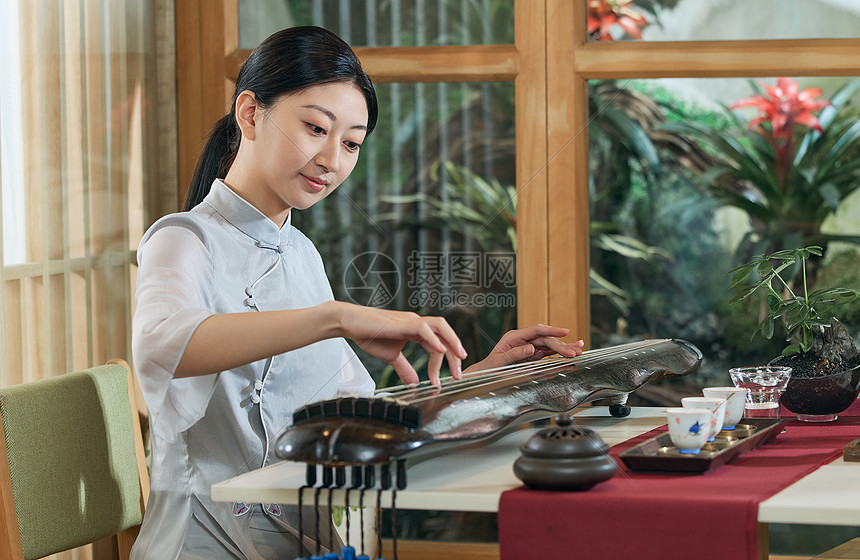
(72, 465)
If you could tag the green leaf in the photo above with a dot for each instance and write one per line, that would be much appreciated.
(831, 195)
(845, 142)
(764, 268)
(773, 302)
(767, 327)
(846, 296)
(837, 101)
(603, 287)
(742, 294)
(795, 315)
(710, 176)
(629, 247)
(741, 273)
(790, 350)
(806, 340)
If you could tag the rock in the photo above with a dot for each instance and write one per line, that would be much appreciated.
(834, 344)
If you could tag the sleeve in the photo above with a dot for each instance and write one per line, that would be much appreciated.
(174, 274)
(353, 378)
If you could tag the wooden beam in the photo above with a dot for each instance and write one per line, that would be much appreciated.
(568, 260)
(763, 541)
(717, 59)
(200, 84)
(531, 161)
(845, 551)
(474, 63)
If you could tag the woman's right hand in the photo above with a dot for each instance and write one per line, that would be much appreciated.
(383, 334)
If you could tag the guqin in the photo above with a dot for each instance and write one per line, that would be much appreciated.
(411, 421)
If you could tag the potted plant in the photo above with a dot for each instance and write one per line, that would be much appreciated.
(787, 168)
(825, 362)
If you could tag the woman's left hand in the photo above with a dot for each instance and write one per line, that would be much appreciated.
(528, 344)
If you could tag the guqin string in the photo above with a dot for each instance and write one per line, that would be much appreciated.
(423, 391)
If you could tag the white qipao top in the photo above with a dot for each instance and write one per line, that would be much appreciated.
(224, 256)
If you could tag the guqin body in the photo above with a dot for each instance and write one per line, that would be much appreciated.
(409, 421)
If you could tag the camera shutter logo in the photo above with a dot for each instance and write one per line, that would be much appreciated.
(371, 279)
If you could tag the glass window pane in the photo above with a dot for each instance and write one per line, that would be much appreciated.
(426, 221)
(721, 20)
(683, 191)
(384, 23)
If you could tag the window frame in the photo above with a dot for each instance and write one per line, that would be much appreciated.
(550, 65)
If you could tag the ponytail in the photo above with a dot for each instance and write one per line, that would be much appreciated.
(215, 161)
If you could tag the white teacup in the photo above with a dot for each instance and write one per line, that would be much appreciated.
(717, 406)
(689, 428)
(735, 400)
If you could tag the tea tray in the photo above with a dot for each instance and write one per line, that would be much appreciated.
(658, 453)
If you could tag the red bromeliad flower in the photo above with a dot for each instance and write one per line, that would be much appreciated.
(784, 107)
(603, 14)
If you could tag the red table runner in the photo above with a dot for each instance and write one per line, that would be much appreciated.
(645, 516)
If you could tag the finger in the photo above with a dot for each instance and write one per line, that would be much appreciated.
(455, 365)
(528, 350)
(541, 354)
(404, 369)
(565, 349)
(433, 369)
(574, 348)
(519, 353)
(449, 337)
(428, 338)
(536, 331)
(532, 334)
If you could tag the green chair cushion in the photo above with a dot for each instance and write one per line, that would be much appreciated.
(70, 443)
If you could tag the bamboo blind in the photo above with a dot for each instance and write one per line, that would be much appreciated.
(97, 165)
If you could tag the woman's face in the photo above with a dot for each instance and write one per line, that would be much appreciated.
(304, 146)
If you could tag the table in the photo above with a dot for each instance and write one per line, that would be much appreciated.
(465, 480)
(473, 479)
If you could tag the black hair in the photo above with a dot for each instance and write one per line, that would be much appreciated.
(286, 62)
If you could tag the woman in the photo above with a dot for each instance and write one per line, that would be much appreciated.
(236, 326)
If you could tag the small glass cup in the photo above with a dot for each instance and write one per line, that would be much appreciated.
(764, 385)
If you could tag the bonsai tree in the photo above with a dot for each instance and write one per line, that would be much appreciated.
(814, 336)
